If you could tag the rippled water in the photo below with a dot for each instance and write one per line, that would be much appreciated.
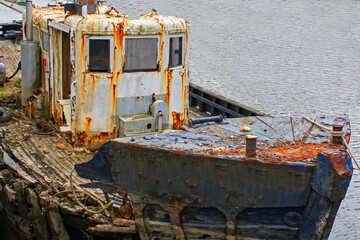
(282, 57)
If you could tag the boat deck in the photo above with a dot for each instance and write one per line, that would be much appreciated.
(48, 156)
(280, 140)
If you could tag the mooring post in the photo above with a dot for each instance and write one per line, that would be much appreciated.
(250, 145)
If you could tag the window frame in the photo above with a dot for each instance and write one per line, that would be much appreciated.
(111, 52)
(157, 53)
(182, 51)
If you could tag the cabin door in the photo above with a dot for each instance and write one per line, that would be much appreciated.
(62, 77)
(177, 79)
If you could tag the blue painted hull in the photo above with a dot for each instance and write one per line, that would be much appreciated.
(178, 191)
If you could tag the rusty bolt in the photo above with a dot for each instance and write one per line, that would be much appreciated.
(250, 145)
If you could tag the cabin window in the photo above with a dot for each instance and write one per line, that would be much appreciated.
(45, 41)
(141, 54)
(176, 51)
(100, 54)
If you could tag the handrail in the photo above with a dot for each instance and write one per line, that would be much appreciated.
(213, 104)
(11, 7)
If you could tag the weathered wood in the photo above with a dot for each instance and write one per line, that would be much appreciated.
(15, 227)
(22, 207)
(55, 221)
(5, 176)
(10, 194)
(2, 164)
(37, 217)
(107, 229)
(21, 173)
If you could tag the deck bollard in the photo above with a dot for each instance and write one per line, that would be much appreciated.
(250, 145)
(337, 134)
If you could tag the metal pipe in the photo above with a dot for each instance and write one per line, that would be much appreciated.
(207, 119)
(250, 145)
(29, 30)
(160, 115)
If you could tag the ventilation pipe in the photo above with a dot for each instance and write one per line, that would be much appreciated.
(30, 59)
(29, 31)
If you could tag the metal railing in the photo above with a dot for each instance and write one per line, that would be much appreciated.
(212, 104)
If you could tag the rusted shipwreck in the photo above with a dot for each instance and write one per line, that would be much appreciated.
(117, 90)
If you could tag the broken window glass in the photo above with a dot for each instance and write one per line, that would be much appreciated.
(140, 54)
(99, 55)
(175, 58)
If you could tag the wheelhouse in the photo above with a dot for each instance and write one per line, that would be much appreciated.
(103, 75)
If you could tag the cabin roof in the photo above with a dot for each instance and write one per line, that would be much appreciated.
(109, 20)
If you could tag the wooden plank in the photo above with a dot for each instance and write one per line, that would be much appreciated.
(55, 221)
(21, 173)
(62, 166)
(27, 161)
(37, 218)
(22, 207)
(16, 227)
(55, 172)
(106, 230)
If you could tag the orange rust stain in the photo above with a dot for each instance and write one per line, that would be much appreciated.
(161, 33)
(339, 163)
(178, 120)
(161, 53)
(94, 140)
(81, 137)
(119, 37)
(304, 150)
(88, 123)
(347, 138)
(114, 94)
(169, 85)
(82, 50)
(83, 86)
(93, 82)
(182, 24)
(57, 116)
(184, 99)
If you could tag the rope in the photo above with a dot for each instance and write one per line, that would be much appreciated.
(103, 207)
(336, 134)
(350, 153)
(16, 71)
(317, 124)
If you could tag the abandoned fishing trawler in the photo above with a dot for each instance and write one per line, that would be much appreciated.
(119, 86)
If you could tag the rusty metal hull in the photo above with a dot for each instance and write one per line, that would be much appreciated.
(199, 184)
